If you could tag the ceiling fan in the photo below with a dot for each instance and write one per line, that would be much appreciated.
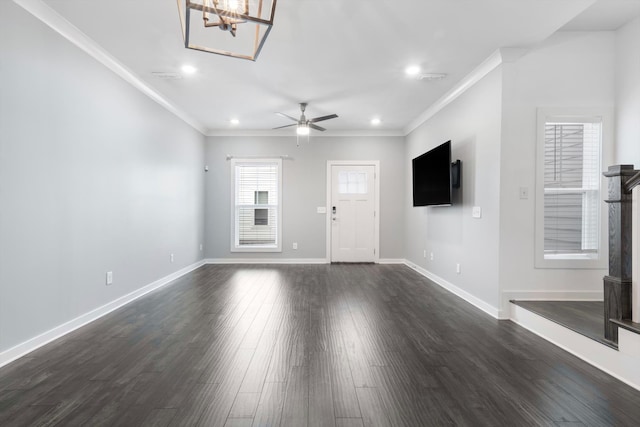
(303, 124)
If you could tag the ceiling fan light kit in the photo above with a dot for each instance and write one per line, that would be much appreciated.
(304, 125)
(235, 28)
(302, 130)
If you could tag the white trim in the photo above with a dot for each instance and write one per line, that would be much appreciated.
(618, 364)
(473, 300)
(376, 183)
(605, 116)
(491, 63)
(36, 342)
(265, 261)
(313, 135)
(233, 162)
(546, 295)
(391, 261)
(69, 31)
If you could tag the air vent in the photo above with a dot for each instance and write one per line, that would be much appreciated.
(166, 76)
(431, 76)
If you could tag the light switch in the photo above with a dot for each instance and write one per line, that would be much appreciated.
(476, 212)
(321, 210)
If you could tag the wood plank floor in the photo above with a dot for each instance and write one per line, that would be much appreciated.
(583, 317)
(307, 345)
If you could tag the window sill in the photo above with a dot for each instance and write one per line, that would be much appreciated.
(571, 261)
(257, 249)
(571, 257)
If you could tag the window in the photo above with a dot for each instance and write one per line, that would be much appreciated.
(352, 182)
(569, 204)
(261, 215)
(256, 201)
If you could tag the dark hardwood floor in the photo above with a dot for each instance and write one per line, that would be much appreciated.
(583, 317)
(307, 345)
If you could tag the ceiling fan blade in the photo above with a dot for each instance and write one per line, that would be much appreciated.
(286, 126)
(287, 116)
(319, 119)
(316, 127)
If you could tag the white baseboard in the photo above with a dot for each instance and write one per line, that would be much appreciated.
(288, 261)
(619, 364)
(265, 261)
(487, 308)
(547, 295)
(36, 342)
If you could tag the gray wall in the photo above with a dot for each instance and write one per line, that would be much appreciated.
(94, 176)
(570, 69)
(627, 87)
(304, 189)
(472, 123)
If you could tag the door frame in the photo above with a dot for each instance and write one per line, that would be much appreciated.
(376, 195)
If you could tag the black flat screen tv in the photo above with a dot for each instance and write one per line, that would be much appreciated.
(432, 177)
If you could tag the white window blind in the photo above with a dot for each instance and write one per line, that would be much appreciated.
(256, 205)
(571, 188)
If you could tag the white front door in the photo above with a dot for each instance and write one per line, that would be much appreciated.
(352, 213)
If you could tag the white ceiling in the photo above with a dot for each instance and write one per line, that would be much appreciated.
(344, 57)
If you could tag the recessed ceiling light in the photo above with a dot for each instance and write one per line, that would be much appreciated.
(412, 70)
(234, 122)
(375, 121)
(189, 69)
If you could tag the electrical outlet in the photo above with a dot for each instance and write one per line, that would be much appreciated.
(458, 268)
(424, 253)
(295, 245)
(171, 257)
(109, 277)
(431, 256)
(201, 246)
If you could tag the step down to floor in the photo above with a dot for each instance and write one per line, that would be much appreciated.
(583, 317)
(621, 361)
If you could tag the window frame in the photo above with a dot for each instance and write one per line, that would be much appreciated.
(255, 162)
(577, 114)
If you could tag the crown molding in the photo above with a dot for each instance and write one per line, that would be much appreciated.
(500, 56)
(56, 22)
(66, 29)
(290, 133)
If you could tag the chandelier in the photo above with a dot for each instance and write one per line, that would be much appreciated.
(236, 28)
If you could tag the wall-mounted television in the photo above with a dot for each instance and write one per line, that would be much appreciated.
(434, 177)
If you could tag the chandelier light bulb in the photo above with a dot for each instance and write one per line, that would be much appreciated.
(232, 5)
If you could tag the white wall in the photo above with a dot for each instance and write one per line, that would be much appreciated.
(628, 126)
(627, 87)
(94, 176)
(472, 123)
(570, 69)
(304, 189)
